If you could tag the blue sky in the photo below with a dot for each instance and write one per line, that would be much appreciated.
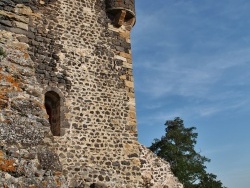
(192, 60)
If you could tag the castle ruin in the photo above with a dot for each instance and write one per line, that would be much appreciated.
(67, 101)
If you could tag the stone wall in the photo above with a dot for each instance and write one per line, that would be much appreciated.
(155, 171)
(80, 51)
(27, 157)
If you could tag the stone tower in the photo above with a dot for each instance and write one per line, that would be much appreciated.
(67, 100)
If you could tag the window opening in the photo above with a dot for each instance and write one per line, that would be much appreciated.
(52, 105)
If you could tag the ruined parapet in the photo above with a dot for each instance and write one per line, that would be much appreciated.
(155, 171)
(122, 12)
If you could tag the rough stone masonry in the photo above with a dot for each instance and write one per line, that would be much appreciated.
(67, 100)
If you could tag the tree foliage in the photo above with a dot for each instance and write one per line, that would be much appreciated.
(178, 148)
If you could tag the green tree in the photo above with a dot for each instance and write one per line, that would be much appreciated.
(209, 180)
(178, 148)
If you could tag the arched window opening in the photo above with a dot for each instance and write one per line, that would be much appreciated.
(52, 105)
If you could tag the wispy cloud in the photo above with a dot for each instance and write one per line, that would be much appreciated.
(192, 60)
(189, 61)
(178, 78)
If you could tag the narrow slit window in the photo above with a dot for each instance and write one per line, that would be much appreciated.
(52, 105)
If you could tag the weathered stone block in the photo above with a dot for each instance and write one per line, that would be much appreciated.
(49, 160)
